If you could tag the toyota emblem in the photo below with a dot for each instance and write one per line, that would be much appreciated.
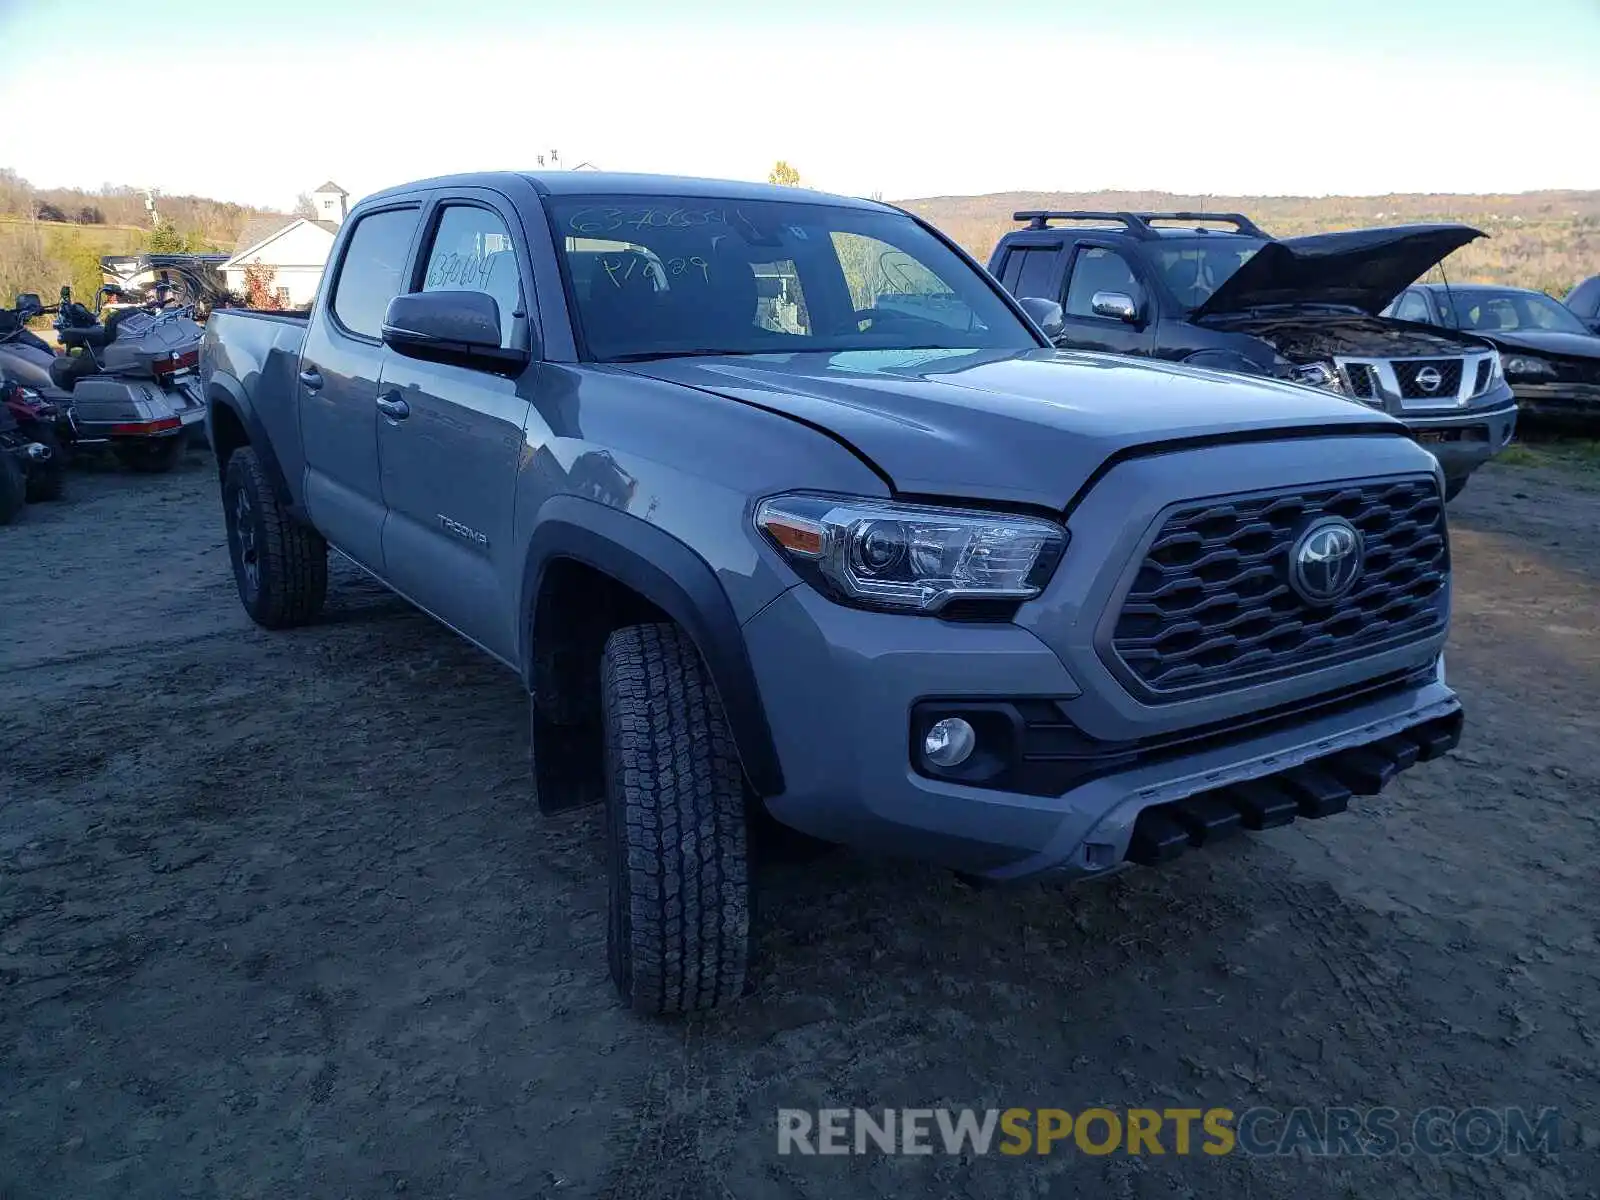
(1326, 560)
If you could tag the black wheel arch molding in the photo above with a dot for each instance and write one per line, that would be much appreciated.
(678, 581)
(224, 392)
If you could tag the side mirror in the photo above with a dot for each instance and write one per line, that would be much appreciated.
(28, 304)
(1046, 315)
(448, 324)
(1118, 305)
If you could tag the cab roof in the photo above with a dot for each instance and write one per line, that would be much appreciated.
(611, 183)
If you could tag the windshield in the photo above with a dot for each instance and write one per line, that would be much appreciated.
(663, 275)
(1513, 310)
(1194, 269)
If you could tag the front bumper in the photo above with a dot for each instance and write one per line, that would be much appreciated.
(840, 686)
(1578, 403)
(1464, 441)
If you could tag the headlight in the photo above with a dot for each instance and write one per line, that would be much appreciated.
(1522, 364)
(1317, 375)
(911, 557)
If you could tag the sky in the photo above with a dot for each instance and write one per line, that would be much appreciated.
(254, 102)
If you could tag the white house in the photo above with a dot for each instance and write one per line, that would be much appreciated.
(293, 249)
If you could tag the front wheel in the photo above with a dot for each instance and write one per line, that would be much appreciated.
(1453, 486)
(151, 456)
(279, 565)
(678, 935)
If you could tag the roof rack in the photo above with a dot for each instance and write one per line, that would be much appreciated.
(1138, 223)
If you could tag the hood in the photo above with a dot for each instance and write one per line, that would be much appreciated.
(1028, 427)
(1362, 268)
(1544, 341)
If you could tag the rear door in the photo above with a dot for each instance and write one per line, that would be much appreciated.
(1099, 267)
(451, 438)
(339, 371)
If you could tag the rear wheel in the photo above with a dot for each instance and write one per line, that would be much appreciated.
(279, 565)
(678, 937)
(13, 487)
(151, 456)
(48, 481)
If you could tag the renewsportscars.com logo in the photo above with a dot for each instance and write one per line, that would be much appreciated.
(1259, 1132)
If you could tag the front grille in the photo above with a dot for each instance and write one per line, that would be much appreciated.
(1211, 607)
(1481, 383)
(1406, 372)
(1362, 384)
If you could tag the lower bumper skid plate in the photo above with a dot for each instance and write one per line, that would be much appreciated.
(1317, 789)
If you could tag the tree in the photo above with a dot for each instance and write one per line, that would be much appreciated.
(49, 212)
(90, 215)
(304, 208)
(164, 239)
(782, 173)
(258, 289)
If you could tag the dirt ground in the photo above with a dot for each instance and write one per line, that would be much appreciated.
(277, 918)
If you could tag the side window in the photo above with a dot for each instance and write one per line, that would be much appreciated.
(369, 274)
(1035, 271)
(1097, 269)
(472, 252)
(1413, 308)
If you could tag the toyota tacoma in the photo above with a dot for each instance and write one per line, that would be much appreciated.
(791, 521)
(1175, 286)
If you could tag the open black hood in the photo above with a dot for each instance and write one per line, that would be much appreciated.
(1362, 268)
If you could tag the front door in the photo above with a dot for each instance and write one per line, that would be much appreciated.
(1100, 270)
(340, 366)
(450, 439)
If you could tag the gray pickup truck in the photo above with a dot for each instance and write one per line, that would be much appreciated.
(790, 519)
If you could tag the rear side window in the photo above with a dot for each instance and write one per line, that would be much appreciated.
(1028, 272)
(472, 252)
(1098, 270)
(370, 273)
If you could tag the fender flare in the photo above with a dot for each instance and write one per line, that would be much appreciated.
(681, 584)
(226, 392)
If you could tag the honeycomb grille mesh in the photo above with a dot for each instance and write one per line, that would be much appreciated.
(1211, 607)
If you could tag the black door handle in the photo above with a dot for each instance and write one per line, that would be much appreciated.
(393, 407)
(312, 378)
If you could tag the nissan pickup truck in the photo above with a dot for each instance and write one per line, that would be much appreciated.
(790, 519)
(1175, 286)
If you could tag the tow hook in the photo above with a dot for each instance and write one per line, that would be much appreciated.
(37, 451)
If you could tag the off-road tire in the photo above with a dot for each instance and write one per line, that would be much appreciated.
(13, 488)
(291, 560)
(1452, 487)
(152, 456)
(678, 934)
(50, 481)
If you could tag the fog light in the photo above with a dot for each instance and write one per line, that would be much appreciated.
(949, 743)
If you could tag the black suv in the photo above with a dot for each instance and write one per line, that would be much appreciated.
(1214, 290)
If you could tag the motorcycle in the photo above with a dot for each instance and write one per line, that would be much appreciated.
(133, 380)
(34, 420)
(29, 469)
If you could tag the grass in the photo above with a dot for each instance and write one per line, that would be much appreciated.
(1573, 456)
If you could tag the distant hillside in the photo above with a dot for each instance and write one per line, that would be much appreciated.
(55, 236)
(1545, 240)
